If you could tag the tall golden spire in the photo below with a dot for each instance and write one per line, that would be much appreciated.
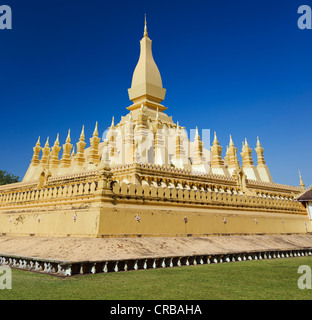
(146, 85)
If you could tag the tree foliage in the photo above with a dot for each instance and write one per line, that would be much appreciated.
(7, 178)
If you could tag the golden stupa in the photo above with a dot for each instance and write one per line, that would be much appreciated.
(148, 179)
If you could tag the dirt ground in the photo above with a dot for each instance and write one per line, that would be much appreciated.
(95, 249)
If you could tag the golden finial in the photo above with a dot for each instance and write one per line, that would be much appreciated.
(73, 152)
(258, 142)
(215, 141)
(47, 142)
(38, 142)
(113, 122)
(57, 141)
(82, 135)
(196, 133)
(68, 137)
(96, 132)
(197, 136)
(145, 27)
(231, 141)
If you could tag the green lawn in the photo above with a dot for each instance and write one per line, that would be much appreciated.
(265, 279)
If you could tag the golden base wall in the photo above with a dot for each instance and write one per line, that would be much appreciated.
(102, 209)
(140, 221)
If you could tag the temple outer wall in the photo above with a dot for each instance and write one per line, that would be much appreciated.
(121, 221)
(104, 209)
(161, 221)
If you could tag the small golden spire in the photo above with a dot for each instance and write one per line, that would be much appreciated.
(197, 136)
(302, 185)
(113, 122)
(215, 141)
(65, 160)
(246, 143)
(73, 152)
(36, 149)
(82, 135)
(231, 141)
(216, 151)
(68, 137)
(45, 153)
(38, 142)
(57, 141)
(96, 132)
(259, 151)
(246, 154)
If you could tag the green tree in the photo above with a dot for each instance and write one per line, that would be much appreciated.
(6, 178)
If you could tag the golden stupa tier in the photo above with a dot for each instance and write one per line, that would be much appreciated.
(145, 136)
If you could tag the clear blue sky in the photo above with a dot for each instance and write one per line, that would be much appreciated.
(235, 67)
